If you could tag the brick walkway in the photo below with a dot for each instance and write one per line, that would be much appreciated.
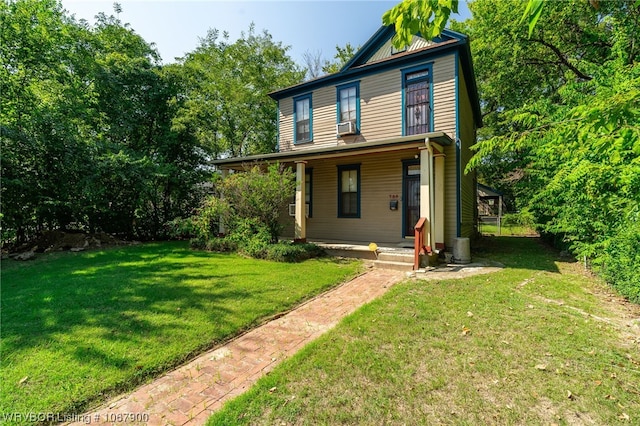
(189, 394)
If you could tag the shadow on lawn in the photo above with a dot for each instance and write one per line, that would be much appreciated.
(518, 252)
(120, 295)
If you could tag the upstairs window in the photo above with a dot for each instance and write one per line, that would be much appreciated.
(303, 119)
(417, 105)
(348, 103)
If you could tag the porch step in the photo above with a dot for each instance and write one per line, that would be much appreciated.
(396, 266)
(396, 257)
(399, 259)
(351, 252)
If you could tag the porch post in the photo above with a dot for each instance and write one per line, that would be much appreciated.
(222, 228)
(425, 191)
(300, 233)
(439, 204)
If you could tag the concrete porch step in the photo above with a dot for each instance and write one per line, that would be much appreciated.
(395, 266)
(350, 252)
(391, 257)
(396, 257)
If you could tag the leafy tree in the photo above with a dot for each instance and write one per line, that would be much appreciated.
(342, 56)
(86, 129)
(561, 101)
(258, 195)
(227, 85)
(151, 167)
(427, 17)
(513, 69)
(45, 81)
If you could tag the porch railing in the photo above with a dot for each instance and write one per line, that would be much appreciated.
(419, 241)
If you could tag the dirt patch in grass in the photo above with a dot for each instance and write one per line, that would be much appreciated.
(624, 314)
(57, 241)
(454, 272)
(617, 312)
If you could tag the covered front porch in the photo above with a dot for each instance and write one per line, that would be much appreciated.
(372, 192)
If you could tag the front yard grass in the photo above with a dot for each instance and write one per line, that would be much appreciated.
(536, 343)
(77, 328)
(507, 230)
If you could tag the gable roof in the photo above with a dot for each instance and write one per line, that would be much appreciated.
(361, 64)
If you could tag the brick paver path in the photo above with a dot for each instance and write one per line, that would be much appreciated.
(189, 394)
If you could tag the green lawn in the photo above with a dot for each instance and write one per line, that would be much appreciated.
(526, 345)
(77, 328)
(512, 230)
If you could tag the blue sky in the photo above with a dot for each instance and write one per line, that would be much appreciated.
(175, 26)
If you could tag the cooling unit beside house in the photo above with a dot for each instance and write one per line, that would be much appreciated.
(292, 209)
(346, 128)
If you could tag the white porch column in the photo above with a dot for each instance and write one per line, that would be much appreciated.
(300, 233)
(439, 203)
(222, 228)
(425, 191)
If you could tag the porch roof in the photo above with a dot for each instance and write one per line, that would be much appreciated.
(392, 144)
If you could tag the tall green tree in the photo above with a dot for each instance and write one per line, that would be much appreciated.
(427, 17)
(86, 127)
(226, 101)
(513, 69)
(46, 85)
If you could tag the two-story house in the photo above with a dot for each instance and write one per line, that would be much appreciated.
(382, 143)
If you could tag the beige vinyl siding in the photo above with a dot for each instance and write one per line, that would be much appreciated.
(381, 106)
(324, 118)
(323, 105)
(285, 129)
(468, 181)
(381, 118)
(444, 95)
(385, 51)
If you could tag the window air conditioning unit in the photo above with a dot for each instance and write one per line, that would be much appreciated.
(346, 128)
(292, 209)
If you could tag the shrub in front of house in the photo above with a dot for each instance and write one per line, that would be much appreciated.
(289, 252)
(248, 237)
(250, 204)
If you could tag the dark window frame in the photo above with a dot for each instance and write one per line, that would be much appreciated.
(297, 99)
(339, 89)
(412, 77)
(341, 170)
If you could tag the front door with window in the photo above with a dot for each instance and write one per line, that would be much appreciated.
(410, 197)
